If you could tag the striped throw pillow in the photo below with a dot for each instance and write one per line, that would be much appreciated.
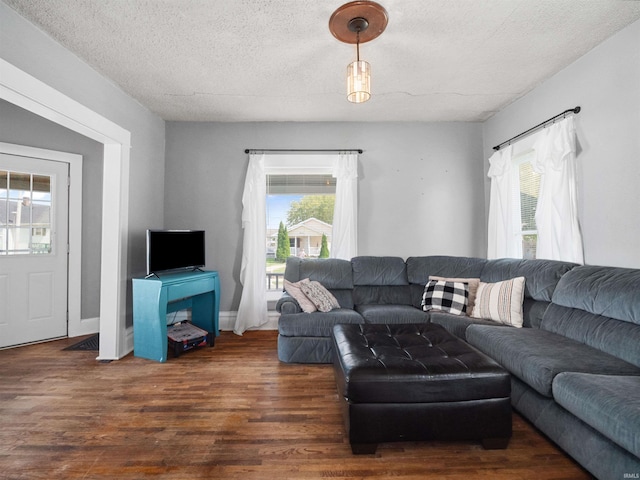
(500, 302)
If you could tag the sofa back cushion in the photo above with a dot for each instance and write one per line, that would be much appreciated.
(380, 281)
(330, 272)
(334, 274)
(541, 276)
(379, 271)
(600, 307)
(420, 268)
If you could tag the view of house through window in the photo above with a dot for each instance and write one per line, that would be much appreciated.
(299, 220)
(529, 188)
(25, 213)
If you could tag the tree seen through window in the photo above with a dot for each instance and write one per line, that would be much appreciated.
(299, 220)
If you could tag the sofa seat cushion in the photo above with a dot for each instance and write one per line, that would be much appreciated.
(317, 324)
(392, 314)
(617, 337)
(608, 403)
(537, 356)
(457, 324)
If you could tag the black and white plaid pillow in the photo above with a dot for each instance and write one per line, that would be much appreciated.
(450, 297)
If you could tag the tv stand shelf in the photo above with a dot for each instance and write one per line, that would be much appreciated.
(156, 296)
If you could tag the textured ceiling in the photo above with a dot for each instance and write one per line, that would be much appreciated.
(275, 60)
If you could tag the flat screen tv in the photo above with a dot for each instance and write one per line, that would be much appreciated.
(174, 250)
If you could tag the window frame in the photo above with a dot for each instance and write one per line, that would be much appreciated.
(295, 164)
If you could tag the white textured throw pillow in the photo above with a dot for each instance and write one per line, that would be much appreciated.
(500, 301)
(322, 298)
(294, 290)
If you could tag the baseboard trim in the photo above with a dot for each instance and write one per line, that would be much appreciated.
(226, 320)
(128, 340)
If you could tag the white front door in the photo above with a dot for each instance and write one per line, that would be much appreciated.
(34, 209)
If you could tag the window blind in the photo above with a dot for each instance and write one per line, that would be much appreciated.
(301, 184)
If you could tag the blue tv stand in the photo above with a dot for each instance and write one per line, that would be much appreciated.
(154, 297)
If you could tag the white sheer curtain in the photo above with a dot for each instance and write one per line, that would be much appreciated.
(559, 236)
(344, 242)
(252, 311)
(503, 238)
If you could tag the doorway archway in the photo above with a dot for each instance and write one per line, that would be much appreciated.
(29, 93)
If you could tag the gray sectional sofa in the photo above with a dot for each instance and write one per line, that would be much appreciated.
(575, 364)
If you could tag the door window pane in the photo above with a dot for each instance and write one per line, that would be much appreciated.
(41, 215)
(25, 213)
(4, 210)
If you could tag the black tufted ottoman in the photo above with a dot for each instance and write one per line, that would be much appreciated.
(418, 382)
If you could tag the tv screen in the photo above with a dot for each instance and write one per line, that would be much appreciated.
(174, 250)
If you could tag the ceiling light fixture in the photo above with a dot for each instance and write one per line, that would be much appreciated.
(358, 22)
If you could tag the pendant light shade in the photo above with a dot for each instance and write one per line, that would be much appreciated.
(358, 22)
(358, 81)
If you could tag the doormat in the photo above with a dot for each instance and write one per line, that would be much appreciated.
(91, 343)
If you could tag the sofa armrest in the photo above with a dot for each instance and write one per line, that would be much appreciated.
(287, 305)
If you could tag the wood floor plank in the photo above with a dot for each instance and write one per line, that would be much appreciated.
(232, 412)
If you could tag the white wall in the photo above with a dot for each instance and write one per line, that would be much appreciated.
(606, 84)
(28, 48)
(420, 185)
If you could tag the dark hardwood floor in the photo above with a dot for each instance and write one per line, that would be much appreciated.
(233, 411)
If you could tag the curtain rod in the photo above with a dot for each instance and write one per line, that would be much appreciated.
(571, 110)
(249, 150)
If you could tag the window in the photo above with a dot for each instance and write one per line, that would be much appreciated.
(531, 215)
(253, 311)
(299, 215)
(25, 213)
(526, 202)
